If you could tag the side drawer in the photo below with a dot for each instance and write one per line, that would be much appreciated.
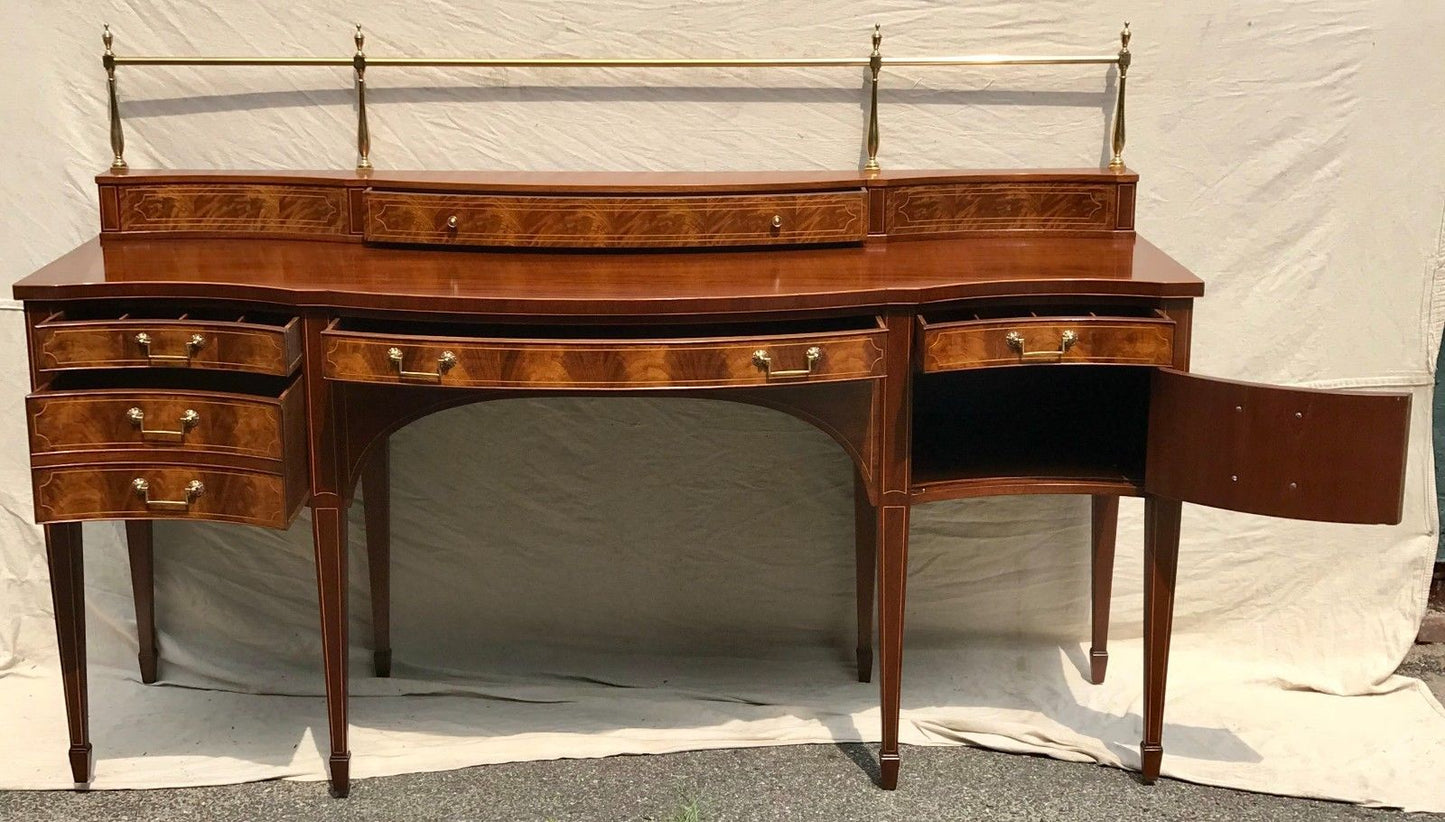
(265, 344)
(616, 222)
(161, 421)
(1100, 338)
(369, 352)
(148, 491)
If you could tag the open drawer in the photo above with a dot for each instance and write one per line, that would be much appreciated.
(602, 357)
(995, 337)
(99, 336)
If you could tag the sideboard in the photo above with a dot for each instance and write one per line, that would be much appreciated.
(236, 346)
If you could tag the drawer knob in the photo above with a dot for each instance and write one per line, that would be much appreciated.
(1067, 339)
(142, 488)
(763, 360)
(194, 344)
(444, 364)
(452, 223)
(777, 222)
(189, 419)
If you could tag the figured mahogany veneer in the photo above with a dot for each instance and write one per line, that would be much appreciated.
(940, 210)
(174, 423)
(617, 210)
(1046, 339)
(889, 310)
(604, 363)
(239, 209)
(108, 492)
(616, 222)
(62, 343)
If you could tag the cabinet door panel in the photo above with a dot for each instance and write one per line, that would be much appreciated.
(1333, 456)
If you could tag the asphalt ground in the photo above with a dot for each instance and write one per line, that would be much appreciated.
(826, 783)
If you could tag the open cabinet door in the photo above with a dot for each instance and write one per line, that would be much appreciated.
(1333, 456)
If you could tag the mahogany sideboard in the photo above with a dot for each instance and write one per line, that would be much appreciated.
(235, 346)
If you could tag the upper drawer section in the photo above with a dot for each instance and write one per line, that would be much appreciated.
(1117, 336)
(228, 341)
(992, 207)
(226, 209)
(489, 357)
(616, 222)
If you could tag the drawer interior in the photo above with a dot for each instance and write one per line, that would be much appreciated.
(513, 331)
(166, 379)
(1073, 421)
(1037, 312)
(118, 311)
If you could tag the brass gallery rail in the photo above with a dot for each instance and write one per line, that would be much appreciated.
(874, 62)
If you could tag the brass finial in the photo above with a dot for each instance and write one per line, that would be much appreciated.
(875, 63)
(117, 137)
(363, 133)
(1125, 58)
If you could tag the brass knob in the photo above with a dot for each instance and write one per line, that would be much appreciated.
(452, 222)
(777, 221)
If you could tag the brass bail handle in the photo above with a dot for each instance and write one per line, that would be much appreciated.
(142, 488)
(188, 420)
(194, 344)
(762, 359)
(1015, 341)
(444, 364)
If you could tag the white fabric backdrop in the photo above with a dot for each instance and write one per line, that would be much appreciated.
(700, 553)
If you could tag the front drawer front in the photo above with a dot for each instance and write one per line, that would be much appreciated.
(604, 364)
(110, 492)
(616, 222)
(168, 343)
(1015, 206)
(233, 208)
(170, 421)
(1028, 341)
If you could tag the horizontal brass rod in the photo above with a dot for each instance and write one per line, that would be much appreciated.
(610, 62)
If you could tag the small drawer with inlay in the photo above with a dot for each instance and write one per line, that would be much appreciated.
(69, 415)
(601, 357)
(616, 221)
(1106, 336)
(163, 491)
(230, 341)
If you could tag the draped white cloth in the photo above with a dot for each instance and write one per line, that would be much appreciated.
(582, 577)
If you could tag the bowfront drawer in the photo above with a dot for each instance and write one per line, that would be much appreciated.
(149, 491)
(167, 421)
(262, 344)
(369, 352)
(616, 222)
(1136, 338)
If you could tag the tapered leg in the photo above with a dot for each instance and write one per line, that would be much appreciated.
(1161, 561)
(865, 525)
(67, 591)
(139, 542)
(376, 492)
(329, 532)
(1105, 522)
(892, 576)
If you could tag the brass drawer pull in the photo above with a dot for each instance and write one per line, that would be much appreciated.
(1015, 341)
(194, 489)
(763, 360)
(194, 344)
(444, 364)
(190, 419)
(452, 223)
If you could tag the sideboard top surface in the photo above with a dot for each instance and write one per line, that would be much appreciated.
(299, 272)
